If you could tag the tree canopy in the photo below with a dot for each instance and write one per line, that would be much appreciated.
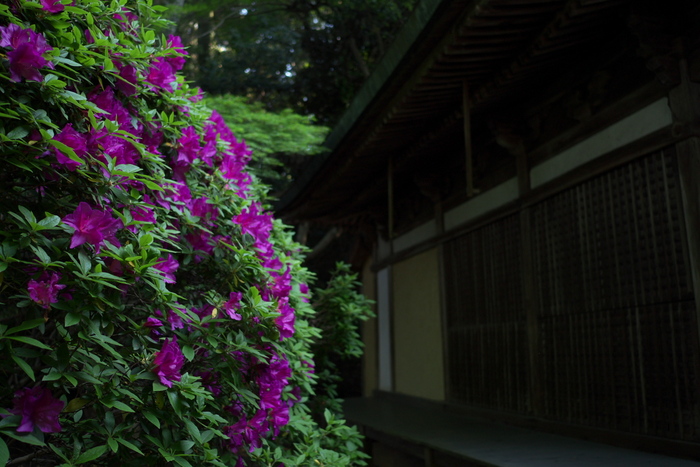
(310, 56)
(280, 141)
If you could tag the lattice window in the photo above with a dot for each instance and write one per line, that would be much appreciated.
(486, 322)
(616, 345)
(617, 326)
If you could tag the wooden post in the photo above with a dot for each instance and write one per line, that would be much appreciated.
(469, 162)
(684, 100)
(390, 201)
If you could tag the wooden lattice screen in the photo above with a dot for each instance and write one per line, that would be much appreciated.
(487, 342)
(616, 344)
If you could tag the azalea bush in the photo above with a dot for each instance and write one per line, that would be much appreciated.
(153, 310)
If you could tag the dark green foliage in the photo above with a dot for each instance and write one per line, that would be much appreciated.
(310, 56)
(140, 367)
(281, 141)
(340, 308)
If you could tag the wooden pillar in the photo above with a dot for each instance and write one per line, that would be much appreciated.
(390, 201)
(684, 100)
(469, 162)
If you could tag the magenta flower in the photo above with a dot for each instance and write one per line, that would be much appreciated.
(153, 323)
(161, 74)
(168, 362)
(142, 214)
(285, 321)
(233, 304)
(38, 408)
(92, 226)
(176, 191)
(254, 222)
(210, 380)
(113, 107)
(174, 320)
(221, 127)
(129, 78)
(206, 211)
(281, 286)
(176, 61)
(208, 152)
(167, 268)
(188, 145)
(74, 140)
(27, 54)
(52, 6)
(201, 241)
(45, 291)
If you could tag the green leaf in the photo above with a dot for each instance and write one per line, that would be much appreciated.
(4, 453)
(66, 150)
(67, 61)
(29, 341)
(188, 352)
(91, 454)
(28, 215)
(152, 418)
(145, 240)
(193, 430)
(176, 401)
(18, 133)
(35, 439)
(129, 445)
(113, 445)
(122, 406)
(72, 319)
(41, 254)
(127, 168)
(31, 324)
(50, 221)
(182, 461)
(75, 404)
(24, 366)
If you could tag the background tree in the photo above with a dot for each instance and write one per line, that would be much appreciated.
(310, 56)
(281, 141)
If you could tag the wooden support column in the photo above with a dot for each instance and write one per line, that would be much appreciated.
(390, 201)
(684, 100)
(469, 162)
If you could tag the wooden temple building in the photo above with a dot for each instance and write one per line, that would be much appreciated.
(520, 182)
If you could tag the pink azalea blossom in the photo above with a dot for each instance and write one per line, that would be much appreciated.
(113, 108)
(161, 74)
(232, 305)
(188, 146)
(143, 214)
(28, 52)
(285, 321)
(38, 408)
(92, 226)
(167, 268)
(206, 211)
(176, 61)
(281, 285)
(74, 140)
(208, 152)
(45, 291)
(168, 362)
(129, 78)
(52, 6)
(201, 241)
